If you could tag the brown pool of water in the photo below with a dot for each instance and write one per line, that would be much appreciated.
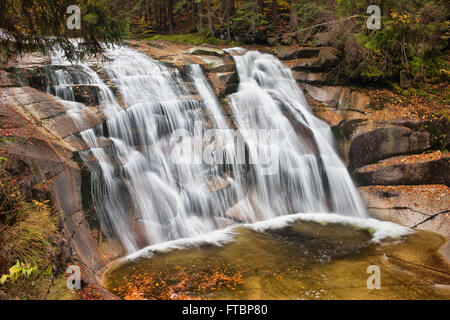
(306, 260)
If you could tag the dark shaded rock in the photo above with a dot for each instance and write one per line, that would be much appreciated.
(228, 77)
(428, 172)
(309, 77)
(87, 94)
(7, 79)
(404, 80)
(35, 77)
(304, 64)
(328, 57)
(372, 146)
(223, 84)
(286, 53)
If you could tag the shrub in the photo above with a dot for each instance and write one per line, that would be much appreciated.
(29, 244)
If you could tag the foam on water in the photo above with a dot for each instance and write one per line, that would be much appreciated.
(379, 230)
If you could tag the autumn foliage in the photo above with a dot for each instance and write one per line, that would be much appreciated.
(184, 283)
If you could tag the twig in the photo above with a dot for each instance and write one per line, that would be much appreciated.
(322, 24)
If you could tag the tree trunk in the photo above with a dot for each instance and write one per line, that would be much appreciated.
(210, 18)
(164, 16)
(294, 18)
(170, 12)
(194, 20)
(200, 17)
(227, 10)
(261, 6)
(150, 15)
(274, 12)
(231, 8)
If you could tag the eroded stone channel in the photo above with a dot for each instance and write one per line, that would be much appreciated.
(305, 260)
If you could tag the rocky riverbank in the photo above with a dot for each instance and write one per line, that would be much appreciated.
(395, 151)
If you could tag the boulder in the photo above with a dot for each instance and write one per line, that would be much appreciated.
(309, 77)
(353, 100)
(222, 88)
(218, 64)
(87, 94)
(207, 51)
(229, 78)
(405, 173)
(328, 57)
(381, 143)
(326, 95)
(405, 82)
(304, 64)
(286, 52)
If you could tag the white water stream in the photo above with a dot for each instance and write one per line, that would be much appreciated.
(145, 192)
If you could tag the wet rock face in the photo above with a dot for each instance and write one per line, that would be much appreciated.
(35, 77)
(7, 79)
(32, 125)
(422, 207)
(220, 69)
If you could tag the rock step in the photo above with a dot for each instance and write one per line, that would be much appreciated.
(310, 77)
(87, 94)
(288, 52)
(43, 109)
(206, 50)
(423, 207)
(385, 142)
(417, 169)
(308, 57)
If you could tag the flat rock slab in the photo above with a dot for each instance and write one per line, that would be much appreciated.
(38, 105)
(304, 64)
(422, 207)
(326, 95)
(217, 64)
(399, 171)
(309, 77)
(208, 51)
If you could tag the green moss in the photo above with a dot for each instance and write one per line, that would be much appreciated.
(193, 38)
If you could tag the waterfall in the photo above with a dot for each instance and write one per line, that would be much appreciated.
(311, 176)
(150, 179)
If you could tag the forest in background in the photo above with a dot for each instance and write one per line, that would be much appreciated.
(413, 39)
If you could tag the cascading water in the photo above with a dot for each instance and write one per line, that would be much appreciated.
(311, 176)
(146, 193)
